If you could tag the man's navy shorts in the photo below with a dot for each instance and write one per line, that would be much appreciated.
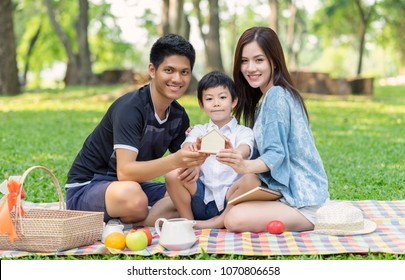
(91, 197)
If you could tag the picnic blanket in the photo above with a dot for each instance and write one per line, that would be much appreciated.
(389, 237)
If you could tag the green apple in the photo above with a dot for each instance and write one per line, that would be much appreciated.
(147, 232)
(136, 240)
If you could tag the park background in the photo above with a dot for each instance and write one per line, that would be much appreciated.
(64, 62)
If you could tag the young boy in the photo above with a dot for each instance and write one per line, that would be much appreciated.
(125, 151)
(205, 196)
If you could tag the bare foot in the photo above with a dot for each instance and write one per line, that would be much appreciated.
(216, 222)
(164, 208)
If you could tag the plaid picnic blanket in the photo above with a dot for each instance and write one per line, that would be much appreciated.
(389, 237)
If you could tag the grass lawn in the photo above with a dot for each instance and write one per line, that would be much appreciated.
(361, 140)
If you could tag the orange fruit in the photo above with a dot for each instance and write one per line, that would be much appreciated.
(115, 240)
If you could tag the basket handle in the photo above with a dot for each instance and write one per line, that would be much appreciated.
(55, 181)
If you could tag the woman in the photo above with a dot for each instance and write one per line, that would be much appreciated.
(288, 160)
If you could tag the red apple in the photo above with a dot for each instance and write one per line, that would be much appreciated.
(275, 227)
(148, 235)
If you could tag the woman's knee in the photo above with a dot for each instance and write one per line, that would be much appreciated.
(234, 219)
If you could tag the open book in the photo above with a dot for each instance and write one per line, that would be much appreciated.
(256, 194)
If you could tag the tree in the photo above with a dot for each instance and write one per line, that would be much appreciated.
(211, 37)
(273, 18)
(366, 15)
(79, 70)
(343, 23)
(392, 34)
(174, 20)
(296, 31)
(8, 71)
(32, 42)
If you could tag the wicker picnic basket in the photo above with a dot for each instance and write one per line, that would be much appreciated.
(52, 230)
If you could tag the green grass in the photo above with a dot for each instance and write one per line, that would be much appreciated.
(361, 140)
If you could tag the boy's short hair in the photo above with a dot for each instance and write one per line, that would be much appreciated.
(215, 79)
(171, 44)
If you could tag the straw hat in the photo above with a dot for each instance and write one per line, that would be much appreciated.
(340, 218)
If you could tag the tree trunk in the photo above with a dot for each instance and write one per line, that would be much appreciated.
(291, 32)
(86, 74)
(8, 71)
(174, 20)
(33, 40)
(79, 65)
(362, 35)
(165, 24)
(273, 18)
(212, 44)
(365, 16)
(72, 60)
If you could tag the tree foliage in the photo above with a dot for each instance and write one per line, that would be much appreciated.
(321, 41)
(106, 48)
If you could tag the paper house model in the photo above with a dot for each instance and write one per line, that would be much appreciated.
(212, 142)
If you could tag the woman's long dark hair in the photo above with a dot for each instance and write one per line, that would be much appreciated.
(249, 97)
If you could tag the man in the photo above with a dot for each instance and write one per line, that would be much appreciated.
(112, 172)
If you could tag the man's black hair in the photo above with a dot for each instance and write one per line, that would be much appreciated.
(171, 44)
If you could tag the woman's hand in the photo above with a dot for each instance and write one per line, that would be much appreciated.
(234, 159)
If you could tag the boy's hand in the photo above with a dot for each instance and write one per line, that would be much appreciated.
(189, 175)
(198, 143)
(188, 130)
(228, 143)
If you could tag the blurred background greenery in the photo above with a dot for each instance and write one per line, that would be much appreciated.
(52, 43)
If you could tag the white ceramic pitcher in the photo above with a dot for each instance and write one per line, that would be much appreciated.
(176, 234)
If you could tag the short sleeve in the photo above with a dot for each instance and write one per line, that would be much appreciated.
(181, 135)
(271, 132)
(245, 136)
(127, 128)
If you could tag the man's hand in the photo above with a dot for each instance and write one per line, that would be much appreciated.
(185, 158)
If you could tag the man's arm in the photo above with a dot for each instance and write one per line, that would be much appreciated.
(128, 169)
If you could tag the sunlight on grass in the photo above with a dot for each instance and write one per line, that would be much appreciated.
(79, 99)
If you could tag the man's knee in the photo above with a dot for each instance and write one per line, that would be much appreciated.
(128, 199)
(135, 199)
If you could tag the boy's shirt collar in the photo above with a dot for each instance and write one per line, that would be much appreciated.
(231, 125)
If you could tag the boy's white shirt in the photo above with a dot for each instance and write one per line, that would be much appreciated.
(218, 177)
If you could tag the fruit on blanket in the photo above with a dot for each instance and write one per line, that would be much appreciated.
(148, 235)
(115, 240)
(275, 227)
(136, 240)
(147, 232)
